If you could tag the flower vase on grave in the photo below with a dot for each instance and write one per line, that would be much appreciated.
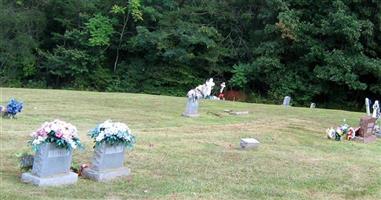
(10, 111)
(53, 143)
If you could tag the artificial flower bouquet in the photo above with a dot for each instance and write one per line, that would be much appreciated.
(342, 132)
(13, 107)
(112, 133)
(60, 133)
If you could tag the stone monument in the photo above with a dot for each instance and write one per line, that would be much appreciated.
(107, 163)
(376, 110)
(377, 130)
(200, 92)
(286, 101)
(51, 167)
(366, 130)
(191, 109)
(377, 114)
(313, 105)
(367, 106)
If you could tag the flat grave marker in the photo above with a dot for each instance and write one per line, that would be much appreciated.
(249, 143)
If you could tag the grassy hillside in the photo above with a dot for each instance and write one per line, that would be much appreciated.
(198, 158)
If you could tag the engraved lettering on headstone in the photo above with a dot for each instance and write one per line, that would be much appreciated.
(369, 130)
(116, 149)
(58, 153)
(370, 125)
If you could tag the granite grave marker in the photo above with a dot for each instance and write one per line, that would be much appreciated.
(51, 167)
(366, 130)
(107, 163)
(286, 101)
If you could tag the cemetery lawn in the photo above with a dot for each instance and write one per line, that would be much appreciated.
(198, 158)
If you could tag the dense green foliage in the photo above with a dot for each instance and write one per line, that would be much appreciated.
(326, 51)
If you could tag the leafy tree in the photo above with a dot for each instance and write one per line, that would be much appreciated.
(22, 24)
(324, 51)
(318, 52)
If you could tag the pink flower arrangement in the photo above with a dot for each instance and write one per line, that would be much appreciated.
(61, 133)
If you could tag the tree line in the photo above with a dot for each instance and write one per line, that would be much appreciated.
(326, 51)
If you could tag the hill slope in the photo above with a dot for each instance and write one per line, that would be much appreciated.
(189, 158)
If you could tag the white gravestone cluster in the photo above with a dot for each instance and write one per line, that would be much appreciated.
(375, 107)
(375, 114)
(200, 92)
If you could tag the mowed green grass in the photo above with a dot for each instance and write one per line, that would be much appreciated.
(198, 158)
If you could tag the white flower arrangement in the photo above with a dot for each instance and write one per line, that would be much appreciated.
(112, 133)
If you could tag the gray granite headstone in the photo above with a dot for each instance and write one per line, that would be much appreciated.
(249, 143)
(286, 101)
(191, 109)
(51, 167)
(377, 131)
(107, 163)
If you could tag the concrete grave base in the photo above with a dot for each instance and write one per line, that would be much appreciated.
(368, 139)
(190, 115)
(105, 175)
(378, 134)
(231, 112)
(56, 180)
(239, 112)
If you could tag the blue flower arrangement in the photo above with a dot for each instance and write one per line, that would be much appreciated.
(13, 108)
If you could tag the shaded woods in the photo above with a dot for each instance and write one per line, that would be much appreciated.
(327, 51)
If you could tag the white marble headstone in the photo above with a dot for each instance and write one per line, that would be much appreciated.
(249, 143)
(286, 101)
(191, 109)
(367, 106)
(376, 110)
